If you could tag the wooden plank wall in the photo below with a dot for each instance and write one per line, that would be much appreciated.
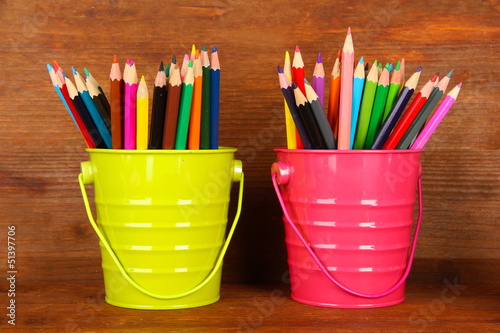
(41, 150)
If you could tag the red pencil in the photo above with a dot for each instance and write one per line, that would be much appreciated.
(410, 114)
(298, 75)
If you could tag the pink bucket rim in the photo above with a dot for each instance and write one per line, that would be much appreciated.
(336, 151)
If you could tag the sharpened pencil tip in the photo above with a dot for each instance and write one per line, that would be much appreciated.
(128, 61)
(362, 61)
(49, 67)
(55, 62)
(398, 66)
(204, 48)
(86, 71)
(287, 56)
(186, 57)
(297, 50)
(174, 60)
(115, 59)
(193, 49)
(434, 78)
(459, 85)
(280, 70)
(190, 64)
(419, 69)
(294, 85)
(339, 53)
(319, 61)
(64, 75)
(161, 67)
(132, 62)
(214, 49)
(390, 68)
(143, 79)
(306, 82)
(349, 31)
(449, 74)
(74, 70)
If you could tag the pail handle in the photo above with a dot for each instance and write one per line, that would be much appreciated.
(127, 276)
(275, 171)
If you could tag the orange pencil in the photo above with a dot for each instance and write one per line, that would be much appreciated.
(333, 99)
(195, 120)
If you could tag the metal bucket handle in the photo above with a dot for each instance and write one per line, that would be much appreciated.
(237, 176)
(281, 173)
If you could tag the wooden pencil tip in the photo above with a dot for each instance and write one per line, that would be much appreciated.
(434, 78)
(349, 31)
(74, 70)
(297, 49)
(287, 56)
(193, 49)
(280, 70)
(361, 61)
(449, 74)
(418, 69)
(161, 67)
(398, 66)
(294, 85)
(204, 48)
(115, 59)
(214, 49)
(190, 64)
(55, 62)
(64, 75)
(132, 62)
(319, 61)
(174, 60)
(186, 57)
(128, 61)
(339, 53)
(380, 65)
(142, 79)
(306, 82)
(86, 71)
(197, 55)
(49, 67)
(459, 85)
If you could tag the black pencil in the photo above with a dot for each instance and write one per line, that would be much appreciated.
(287, 90)
(159, 106)
(320, 117)
(307, 116)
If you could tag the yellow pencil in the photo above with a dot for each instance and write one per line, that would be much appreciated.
(142, 115)
(290, 125)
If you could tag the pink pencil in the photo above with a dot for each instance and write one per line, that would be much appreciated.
(436, 118)
(346, 78)
(130, 112)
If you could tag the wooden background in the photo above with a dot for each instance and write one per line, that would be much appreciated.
(41, 150)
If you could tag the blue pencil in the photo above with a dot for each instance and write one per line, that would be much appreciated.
(53, 78)
(214, 99)
(357, 92)
(94, 113)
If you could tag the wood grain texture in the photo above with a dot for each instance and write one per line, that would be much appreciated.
(41, 150)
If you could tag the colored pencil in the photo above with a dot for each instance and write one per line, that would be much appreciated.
(116, 105)
(393, 90)
(396, 110)
(344, 136)
(159, 106)
(130, 122)
(193, 54)
(54, 79)
(195, 118)
(142, 115)
(333, 98)
(366, 107)
(94, 94)
(185, 109)
(378, 108)
(101, 95)
(291, 136)
(436, 118)
(94, 113)
(205, 100)
(214, 99)
(402, 77)
(357, 91)
(320, 117)
(424, 113)
(184, 66)
(298, 75)
(410, 114)
(319, 80)
(84, 114)
(172, 111)
(379, 69)
(308, 117)
(288, 94)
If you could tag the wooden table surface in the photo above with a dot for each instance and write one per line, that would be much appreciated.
(57, 253)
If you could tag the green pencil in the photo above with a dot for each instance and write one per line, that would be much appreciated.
(378, 107)
(393, 90)
(205, 101)
(185, 108)
(366, 106)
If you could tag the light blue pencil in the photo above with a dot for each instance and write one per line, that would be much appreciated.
(55, 83)
(357, 92)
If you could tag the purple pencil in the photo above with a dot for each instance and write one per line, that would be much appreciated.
(319, 80)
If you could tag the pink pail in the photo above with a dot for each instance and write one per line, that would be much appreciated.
(348, 218)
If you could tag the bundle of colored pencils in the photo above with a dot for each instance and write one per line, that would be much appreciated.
(365, 106)
(185, 108)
